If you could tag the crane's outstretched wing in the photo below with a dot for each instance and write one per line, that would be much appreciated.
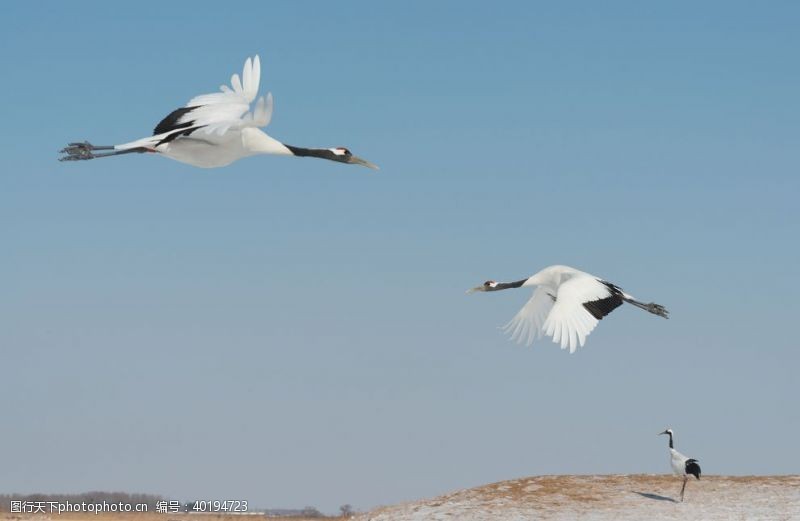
(581, 303)
(526, 326)
(219, 111)
(210, 115)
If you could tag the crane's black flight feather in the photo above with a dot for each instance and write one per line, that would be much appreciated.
(602, 307)
(177, 134)
(693, 468)
(170, 122)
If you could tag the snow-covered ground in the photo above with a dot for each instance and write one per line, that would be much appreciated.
(639, 497)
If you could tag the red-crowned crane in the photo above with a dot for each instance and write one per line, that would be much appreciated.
(566, 305)
(681, 465)
(215, 130)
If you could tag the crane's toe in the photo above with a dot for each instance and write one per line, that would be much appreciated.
(77, 151)
(658, 309)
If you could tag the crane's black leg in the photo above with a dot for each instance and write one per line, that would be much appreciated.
(652, 307)
(684, 486)
(85, 150)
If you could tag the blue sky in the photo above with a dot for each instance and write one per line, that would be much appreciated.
(295, 332)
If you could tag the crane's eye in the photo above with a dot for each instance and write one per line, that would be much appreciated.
(488, 283)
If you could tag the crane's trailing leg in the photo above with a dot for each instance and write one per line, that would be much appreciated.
(652, 307)
(683, 488)
(76, 151)
(85, 150)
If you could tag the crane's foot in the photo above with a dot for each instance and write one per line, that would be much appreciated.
(81, 151)
(658, 309)
(77, 152)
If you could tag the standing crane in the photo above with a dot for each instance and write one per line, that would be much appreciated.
(681, 465)
(215, 130)
(566, 305)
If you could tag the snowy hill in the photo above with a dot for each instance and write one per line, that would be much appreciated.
(631, 497)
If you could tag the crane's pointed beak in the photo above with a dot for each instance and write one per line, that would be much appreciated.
(476, 288)
(660, 433)
(355, 160)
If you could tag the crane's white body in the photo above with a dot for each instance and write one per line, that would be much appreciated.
(678, 462)
(214, 150)
(227, 128)
(557, 309)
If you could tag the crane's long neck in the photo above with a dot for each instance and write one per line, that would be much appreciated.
(509, 285)
(670, 441)
(322, 153)
(256, 141)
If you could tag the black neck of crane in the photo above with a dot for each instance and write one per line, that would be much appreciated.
(509, 285)
(323, 153)
(670, 440)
